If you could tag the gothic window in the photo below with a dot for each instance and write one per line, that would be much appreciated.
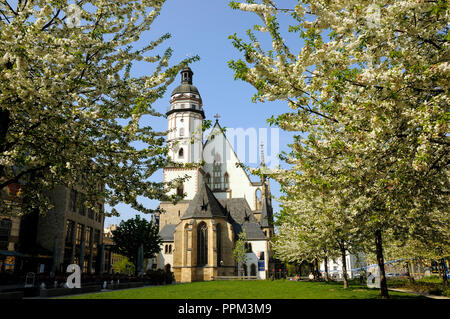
(258, 199)
(217, 175)
(180, 190)
(202, 244)
(170, 249)
(166, 249)
(181, 153)
(182, 131)
(244, 266)
(252, 270)
(226, 181)
(219, 244)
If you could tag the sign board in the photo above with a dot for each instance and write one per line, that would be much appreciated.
(261, 266)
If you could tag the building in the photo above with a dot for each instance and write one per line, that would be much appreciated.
(199, 232)
(68, 233)
(110, 258)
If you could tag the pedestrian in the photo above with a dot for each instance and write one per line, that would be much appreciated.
(311, 276)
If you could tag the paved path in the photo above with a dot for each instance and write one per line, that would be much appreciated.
(418, 293)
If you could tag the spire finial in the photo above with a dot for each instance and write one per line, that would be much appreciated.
(217, 117)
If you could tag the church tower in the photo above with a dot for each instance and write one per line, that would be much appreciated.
(185, 137)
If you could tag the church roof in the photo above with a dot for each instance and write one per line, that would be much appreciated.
(241, 217)
(204, 205)
(239, 209)
(185, 88)
(167, 232)
(266, 213)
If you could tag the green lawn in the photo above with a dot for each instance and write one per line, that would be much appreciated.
(262, 289)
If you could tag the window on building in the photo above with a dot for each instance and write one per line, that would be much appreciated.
(208, 179)
(79, 234)
(166, 249)
(244, 266)
(180, 190)
(217, 175)
(202, 244)
(248, 247)
(90, 213)
(219, 244)
(97, 237)
(226, 181)
(181, 153)
(182, 131)
(170, 249)
(70, 229)
(73, 200)
(252, 270)
(88, 236)
(5, 232)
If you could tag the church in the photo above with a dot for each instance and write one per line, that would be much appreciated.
(220, 201)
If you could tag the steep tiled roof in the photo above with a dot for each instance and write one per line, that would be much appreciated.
(167, 232)
(204, 205)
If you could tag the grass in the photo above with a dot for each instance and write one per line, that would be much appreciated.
(236, 289)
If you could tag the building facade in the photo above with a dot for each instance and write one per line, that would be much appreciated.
(220, 200)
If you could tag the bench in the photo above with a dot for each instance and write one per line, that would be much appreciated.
(235, 277)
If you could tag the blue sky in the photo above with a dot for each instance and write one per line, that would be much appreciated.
(201, 27)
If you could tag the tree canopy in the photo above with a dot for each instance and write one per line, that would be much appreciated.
(369, 93)
(133, 233)
(71, 112)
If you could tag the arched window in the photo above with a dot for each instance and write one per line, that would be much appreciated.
(170, 249)
(258, 198)
(244, 266)
(252, 270)
(186, 242)
(226, 181)
(166, 249)
(181, 153)
(180, 190)
(219, 244)
(202, 244)
(182, 131)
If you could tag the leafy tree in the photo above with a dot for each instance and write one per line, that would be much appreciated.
(124, 266)
(240, 248)
(129, 236)
(70, 112)
(369, 90)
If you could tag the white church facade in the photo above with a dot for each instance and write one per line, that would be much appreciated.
(220, 200)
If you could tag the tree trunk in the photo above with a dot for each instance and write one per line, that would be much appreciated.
(444, 274)
(344, 268)
(408, 273)
(380, 260)
(316, 267)
(326, 268)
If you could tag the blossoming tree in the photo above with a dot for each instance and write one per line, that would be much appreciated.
(369, 88)
(70, 112)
